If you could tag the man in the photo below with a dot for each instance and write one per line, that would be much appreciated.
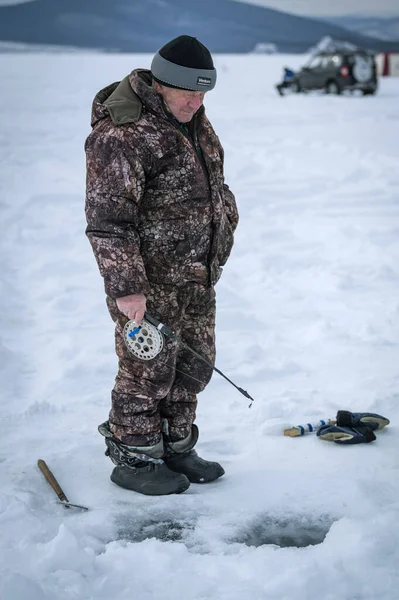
(160, 221)
(288, 78)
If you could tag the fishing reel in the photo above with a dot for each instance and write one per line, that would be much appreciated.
(143, 340)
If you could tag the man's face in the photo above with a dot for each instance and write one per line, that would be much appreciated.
(183, 104)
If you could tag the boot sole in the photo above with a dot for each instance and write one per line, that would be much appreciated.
(195, 478)
(146, 489)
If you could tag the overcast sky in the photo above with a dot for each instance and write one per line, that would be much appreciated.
(316, 7)
(380, 8)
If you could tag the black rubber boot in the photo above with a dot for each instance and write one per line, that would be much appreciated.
(141, 468)
(196, 469)
(151, 479)
(180, 457)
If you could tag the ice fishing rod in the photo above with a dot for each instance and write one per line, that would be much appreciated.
(299, 430)
(145, 341)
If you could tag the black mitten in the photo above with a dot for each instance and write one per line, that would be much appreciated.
(360, 434)
(345, 418)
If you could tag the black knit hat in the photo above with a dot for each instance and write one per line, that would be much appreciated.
(184, 63)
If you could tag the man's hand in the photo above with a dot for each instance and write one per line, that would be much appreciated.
(132, 306)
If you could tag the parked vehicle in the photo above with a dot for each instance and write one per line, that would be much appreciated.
(335, 72)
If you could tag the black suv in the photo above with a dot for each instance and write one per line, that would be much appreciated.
(337, 71)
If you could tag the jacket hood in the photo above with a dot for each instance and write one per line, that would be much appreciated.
(123, 100)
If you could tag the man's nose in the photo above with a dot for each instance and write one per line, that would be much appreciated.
(195, 103)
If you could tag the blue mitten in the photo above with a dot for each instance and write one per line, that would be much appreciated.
(345, 418)
(360, 434)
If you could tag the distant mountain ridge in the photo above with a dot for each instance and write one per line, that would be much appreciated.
(383, 28)
(145, 25)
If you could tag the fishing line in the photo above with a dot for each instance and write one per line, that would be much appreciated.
(145, 341)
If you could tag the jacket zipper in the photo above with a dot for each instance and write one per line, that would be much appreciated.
(195, 144)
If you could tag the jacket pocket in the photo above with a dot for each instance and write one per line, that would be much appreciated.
(226, 241)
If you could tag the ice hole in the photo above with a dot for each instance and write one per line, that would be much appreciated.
(285, 532)
(165, 530)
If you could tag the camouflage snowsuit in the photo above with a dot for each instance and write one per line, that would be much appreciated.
(160, 221)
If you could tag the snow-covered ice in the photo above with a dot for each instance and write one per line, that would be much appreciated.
(308, 323)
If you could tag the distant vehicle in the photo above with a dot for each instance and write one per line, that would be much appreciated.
(263, 48)
(335, 72)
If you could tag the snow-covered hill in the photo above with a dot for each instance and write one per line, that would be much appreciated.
(124, 25)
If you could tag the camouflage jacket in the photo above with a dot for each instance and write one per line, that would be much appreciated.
(157, 207)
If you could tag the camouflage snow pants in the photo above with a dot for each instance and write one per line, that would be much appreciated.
(146, 392)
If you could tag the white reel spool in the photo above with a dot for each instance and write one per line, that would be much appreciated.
(144, 341)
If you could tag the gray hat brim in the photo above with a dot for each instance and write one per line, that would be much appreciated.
(201, 80)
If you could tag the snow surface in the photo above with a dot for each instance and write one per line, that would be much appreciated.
(308, 323)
